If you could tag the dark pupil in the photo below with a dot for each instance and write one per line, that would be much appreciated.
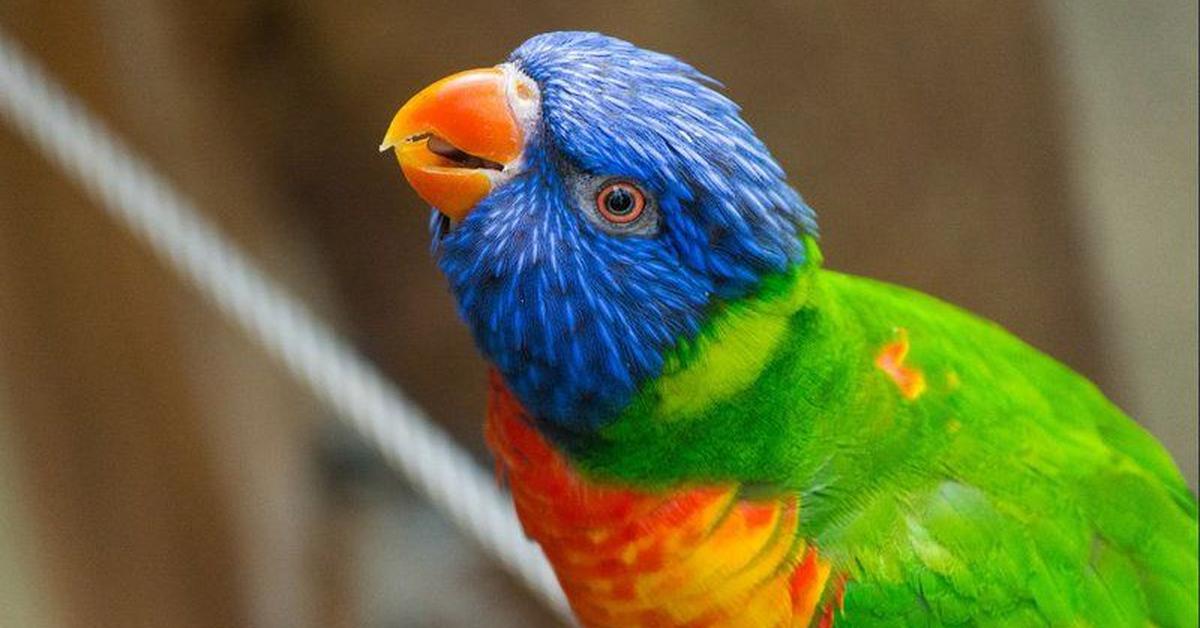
(619, 201)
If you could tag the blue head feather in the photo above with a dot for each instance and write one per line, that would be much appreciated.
(577, 318)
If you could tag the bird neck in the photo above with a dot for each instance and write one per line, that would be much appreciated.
(736, 402)
(646, 542)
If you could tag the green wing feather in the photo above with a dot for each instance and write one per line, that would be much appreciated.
(1044, 504)
(1008, 492)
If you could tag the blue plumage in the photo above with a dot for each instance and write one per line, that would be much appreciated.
(574, 317)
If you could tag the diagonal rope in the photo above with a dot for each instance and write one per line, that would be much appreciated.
(128, 189)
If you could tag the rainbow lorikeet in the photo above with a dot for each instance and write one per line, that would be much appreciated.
(701, 426)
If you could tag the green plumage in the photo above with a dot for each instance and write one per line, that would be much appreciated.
(1009, 491)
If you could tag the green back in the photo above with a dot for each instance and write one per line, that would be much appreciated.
(1010, 492)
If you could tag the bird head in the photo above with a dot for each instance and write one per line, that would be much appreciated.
(594, 203)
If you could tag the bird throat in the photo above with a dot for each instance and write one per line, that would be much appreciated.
(702, 555)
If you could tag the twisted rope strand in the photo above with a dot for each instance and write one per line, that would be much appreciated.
(132, 192)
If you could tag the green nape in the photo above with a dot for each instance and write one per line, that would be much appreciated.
(937, 457)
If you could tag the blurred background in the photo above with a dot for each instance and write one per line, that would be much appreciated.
(1035, 163)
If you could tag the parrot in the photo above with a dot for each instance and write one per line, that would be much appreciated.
(701, 425)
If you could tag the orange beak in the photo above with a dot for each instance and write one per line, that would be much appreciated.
(454, 137)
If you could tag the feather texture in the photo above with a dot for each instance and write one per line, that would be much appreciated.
(703, 556)
(703, 427)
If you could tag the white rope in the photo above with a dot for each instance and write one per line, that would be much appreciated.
(58, 125)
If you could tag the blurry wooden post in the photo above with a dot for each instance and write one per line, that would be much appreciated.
(166, 463)
(118, 470)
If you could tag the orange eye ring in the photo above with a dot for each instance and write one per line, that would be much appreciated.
(620, 202)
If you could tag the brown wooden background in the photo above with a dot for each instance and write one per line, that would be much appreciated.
(162, 472)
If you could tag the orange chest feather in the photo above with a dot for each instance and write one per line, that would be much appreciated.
(693, 557)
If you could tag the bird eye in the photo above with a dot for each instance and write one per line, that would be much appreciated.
(614, 204)
(620, 202)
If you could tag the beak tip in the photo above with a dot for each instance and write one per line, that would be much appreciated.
(383, 148)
